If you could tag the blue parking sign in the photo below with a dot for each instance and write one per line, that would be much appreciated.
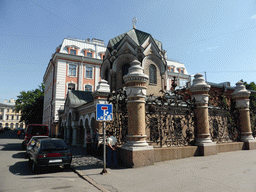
(104, 112)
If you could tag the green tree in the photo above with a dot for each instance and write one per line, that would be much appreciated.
(31, 104)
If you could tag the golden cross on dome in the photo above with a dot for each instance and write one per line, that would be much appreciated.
(134, 21)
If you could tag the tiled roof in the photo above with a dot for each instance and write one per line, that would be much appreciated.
(139, 37)
(78, 98)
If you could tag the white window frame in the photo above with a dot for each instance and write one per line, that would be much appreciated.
(76, 69)
(92, 71)
(88, 84)
(89, 53)
(72, 50)
(72, 83)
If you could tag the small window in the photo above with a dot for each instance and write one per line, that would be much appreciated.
(72, 70)
(106, 74)
(7, 110)
(182, 71)
(172, 70)
(7, 117)
(1, 117)
(17, 117)
(125, 71)
(152, 74)
(71, 86)
(72, 51)
(89, 54)
(12, 117)
(88, 88)
(88, 72)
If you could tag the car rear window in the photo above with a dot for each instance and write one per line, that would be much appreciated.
(53, 145)
(37, 130)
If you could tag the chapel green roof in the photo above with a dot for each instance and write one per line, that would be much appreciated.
(139, 37)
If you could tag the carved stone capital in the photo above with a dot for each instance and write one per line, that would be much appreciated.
(199, 84)
(136, 91)
(102, 89)
(135, 73)
(201, 98)
(242, 103)
(240, 91)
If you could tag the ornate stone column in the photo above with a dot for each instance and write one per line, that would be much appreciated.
(136, 151)
(74, 132)
(241, 96)
(74, 139)
(199, 91)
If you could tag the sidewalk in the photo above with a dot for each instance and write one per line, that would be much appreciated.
(232, 171)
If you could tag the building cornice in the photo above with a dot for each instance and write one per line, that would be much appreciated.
(77, 58)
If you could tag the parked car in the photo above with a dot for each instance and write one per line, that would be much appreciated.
(2, 130)
(18, 129)
(7, 128)
(32, 142)
(34, 130)
(49, 152)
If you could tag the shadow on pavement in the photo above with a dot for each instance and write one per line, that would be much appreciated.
(20, 155)
(22, 168)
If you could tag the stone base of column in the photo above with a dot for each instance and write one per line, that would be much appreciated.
(201, 141)
(250, 144)
(246, 136)
(206, 146)
(136, 154)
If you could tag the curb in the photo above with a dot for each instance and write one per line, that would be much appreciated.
(90, 180)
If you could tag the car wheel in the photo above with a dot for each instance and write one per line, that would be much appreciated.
(67, 166)
(34, 168)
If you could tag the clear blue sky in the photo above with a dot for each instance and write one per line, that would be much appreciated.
(217, 37)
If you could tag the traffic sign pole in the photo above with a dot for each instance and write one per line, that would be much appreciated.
(104, 171)
(104, 113)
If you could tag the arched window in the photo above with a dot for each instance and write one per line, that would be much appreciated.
(106, 75)
(88, 88)
(125, 70)
(71, 86)
(152, 74)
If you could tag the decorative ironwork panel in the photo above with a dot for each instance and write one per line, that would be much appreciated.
(119, 125)
(170, 119)
(223, 119)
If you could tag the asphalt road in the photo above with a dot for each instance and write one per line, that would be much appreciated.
(15, 174)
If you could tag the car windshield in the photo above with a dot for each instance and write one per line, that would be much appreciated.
(53, 145)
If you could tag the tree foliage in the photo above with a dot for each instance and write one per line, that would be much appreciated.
(252, 87)
(31, 104)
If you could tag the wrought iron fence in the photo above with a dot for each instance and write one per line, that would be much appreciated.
(119, 125)
(170, 119)
(223, 118)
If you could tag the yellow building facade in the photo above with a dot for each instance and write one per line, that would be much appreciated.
(8, 116)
